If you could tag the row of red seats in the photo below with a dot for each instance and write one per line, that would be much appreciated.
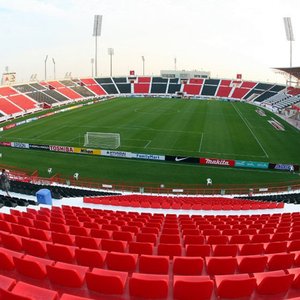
(142, 284)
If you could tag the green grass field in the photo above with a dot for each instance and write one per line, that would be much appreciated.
(161, 126)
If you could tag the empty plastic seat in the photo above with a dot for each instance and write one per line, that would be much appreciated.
(217, 239)
(123, 236)
(34, 247)
(140, 248)
(280, 236)
(251, 249)
(25, 291)
(151, 286)
(296, 280)
(221, 265)
(87, 242)
(63, 238)
(235, 286)
(112, 245)
(275, 282)
(154, 264)
(187, 265)
(6, 258)
(261, 238)
(192, 287)
(6, 283)
(276, 247)
(198, 250)
(193, 239)
(19, 229)
(5, 226)
(294, 245)
(40, 234)
(225, 250)
(32, 266)
(11, 241)
(67, 274)
(90, 258)
(169, 239)
(169, 249)
(121, 261)
(62, 253)
(106, 281)
(280, 261)
(101, 233)
(239, 239)
(146, 237)
(58, 227)
(252, 263)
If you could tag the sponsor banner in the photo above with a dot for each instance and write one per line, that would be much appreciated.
(183, 159)
(9, 126)
(263, 189)
(61, 148)
(20, 145)
(113, 153)
(87, 151)
(177, 190)
(251, 164)
(283, 167)
(5, 144)
(39, 147)
(46, 115)
(20, 123)
(217, 162)
(147, 156)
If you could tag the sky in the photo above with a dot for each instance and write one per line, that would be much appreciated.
(224, 37)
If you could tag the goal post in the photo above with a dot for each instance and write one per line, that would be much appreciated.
(102, 140)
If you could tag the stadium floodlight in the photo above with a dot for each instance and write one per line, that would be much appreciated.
(54, 70)
(45, 61)
(92, 63)
(289, 35)
(143, 59)
(111, 52)
(96, 33)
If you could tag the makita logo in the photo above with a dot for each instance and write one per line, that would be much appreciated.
(221, 162)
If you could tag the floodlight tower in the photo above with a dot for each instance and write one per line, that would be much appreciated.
(290, 37)
(111, 52)
(175, 63)
(92, 63)
(54, 70)
(143, 59)
(45, 61)
(96, 33)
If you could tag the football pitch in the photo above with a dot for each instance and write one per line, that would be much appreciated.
(194, 128)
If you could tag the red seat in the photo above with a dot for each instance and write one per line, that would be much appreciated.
(235, 286)
(198, 250)
(252, 263)
(261, 238)
(169, 239)
(276, 247)
(225, 250)
(193, 239)
(87, 242)
(296, 281)
(169, 249)
(25, 291)
(220, 265)
(63, 238)
(140, 248)
(121, 261)
(61, 252)
(275, 282)
(192, 287)
(106, 281)
(6, 258)
(40, 234)
(149, 285)
(32, 266)
(101, 233)
(217, 239)
(279, 261)
(294, 245)
(146, 237)
(11, 241)
(123, 236)
(58, 227)
(187, 265)
(154, 264)
(5, 226)
(6, 283)
(251, 249)
(90, 258)
(239, 239)
(19, 229)
(112, 245)
(280, 236)
(67, 274)
(34, 247)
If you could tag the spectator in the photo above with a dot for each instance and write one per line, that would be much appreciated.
(5, 182)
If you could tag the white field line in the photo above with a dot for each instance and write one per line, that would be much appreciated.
(147, 144)
(245, 121)
(200, 146)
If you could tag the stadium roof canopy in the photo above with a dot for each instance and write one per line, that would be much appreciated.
(295, 71)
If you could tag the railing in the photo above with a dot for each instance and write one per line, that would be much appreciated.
(154, 188)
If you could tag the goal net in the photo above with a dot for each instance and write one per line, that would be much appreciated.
(102, 140)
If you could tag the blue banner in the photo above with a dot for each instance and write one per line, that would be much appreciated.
(251, 164)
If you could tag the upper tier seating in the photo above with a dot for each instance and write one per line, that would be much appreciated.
(8, 107)
(22, 101)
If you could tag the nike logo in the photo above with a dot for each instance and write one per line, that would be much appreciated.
(180, 159)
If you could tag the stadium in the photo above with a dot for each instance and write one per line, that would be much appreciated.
(173, 185)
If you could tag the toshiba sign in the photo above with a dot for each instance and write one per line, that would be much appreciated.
(217, 162)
